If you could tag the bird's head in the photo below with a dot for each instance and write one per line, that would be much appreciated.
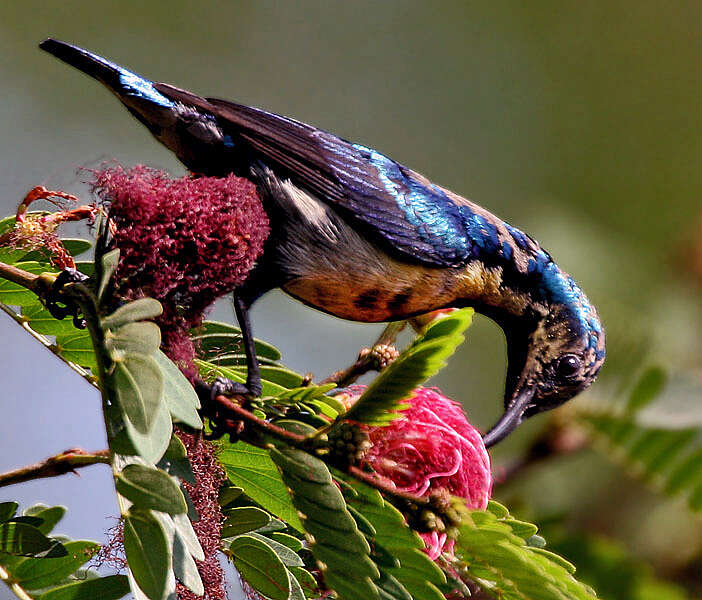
(549, 362)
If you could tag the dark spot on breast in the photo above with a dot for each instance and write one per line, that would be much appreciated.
(367, 299)
(399, 300)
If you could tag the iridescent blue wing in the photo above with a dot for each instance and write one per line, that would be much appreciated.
(389, 202)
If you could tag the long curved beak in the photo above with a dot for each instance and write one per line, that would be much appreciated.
(512, 417)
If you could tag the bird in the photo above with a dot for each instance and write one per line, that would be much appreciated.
(360, 236)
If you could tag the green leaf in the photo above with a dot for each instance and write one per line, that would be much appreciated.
(148, 552)
(214, 344)
(140, 338)
(521, 528)
(253, 470)
(184, 530)
(285, 554)
(286, 539)
(138, 310)
(416, 572)
(335, 539)
(260, 566)
(129, 441)
(50, 516)
(175, 461)
(149, 487)
(138, 383)
(647, 388)
(229, 493)
(110, 260)
(41, 321)
(180, 397)
(281, 376)
(76, 246)
(306, 581)
(111, 587)
(185, 568)
(244, 519)
(36, 573)
(379, 404)
(7, 510)
(392, 588)
(77, 347)
(505, 565)
(22, 539)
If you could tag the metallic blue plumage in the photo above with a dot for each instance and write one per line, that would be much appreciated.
(361, 236)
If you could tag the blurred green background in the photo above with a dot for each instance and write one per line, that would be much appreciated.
(577, 122)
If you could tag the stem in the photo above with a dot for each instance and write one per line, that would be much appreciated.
(386, 487)
(294, 439)
(20, 277)
(15, 587)
(302, 442)
(66, 462)
(366, 361)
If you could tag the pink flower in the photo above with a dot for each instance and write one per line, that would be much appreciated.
(185, 242)
(432, 447)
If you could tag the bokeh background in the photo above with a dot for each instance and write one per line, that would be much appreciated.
(577, 122)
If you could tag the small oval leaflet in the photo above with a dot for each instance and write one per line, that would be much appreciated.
(149, 487)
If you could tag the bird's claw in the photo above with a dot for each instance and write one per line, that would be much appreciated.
(56, 302)
(226, 387)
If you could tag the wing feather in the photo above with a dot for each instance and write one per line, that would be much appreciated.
(387, 201)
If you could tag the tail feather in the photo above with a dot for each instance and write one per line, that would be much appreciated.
(121, 81)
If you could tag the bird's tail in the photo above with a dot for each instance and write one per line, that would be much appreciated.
(123, 83)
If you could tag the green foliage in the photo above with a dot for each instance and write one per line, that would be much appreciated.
(334, 536)
(285, 513)
(397, 550)
(491, 551)
(421, 360)
(253, 470)
(44, 567)
(148, 553)
(667, 457)
(260, 566)
(149, 487)
(111, 587)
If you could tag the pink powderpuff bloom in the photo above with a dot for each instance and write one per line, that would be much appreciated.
(185, 242)
(432, 447)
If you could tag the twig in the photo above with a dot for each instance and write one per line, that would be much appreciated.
(66, 462)
(15, 587)
(386, 487)
(367, 360)
(20, 277)
(294, 439)
(303, 442)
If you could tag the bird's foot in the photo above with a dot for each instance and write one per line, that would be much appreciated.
(220, 423)
(222, 386)
(58, 303)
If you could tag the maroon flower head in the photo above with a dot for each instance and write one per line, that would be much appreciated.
(185, 242)
(432, 448)
(208, 528)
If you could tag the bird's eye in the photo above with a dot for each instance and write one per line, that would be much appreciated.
(568, 365)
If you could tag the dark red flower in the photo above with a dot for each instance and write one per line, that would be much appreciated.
(209, 476)
(185, 242)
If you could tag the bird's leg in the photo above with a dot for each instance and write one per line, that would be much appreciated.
(56, 302)
(253, 372)
(226, 387)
